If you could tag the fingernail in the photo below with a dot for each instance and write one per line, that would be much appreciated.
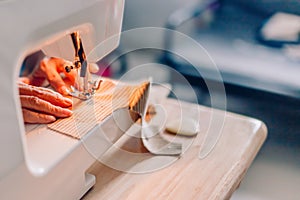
(94, 68)
(50, 118)
(67, 112)
(68, 101)
(63, 90)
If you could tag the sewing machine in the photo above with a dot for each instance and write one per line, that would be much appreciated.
(48, 165)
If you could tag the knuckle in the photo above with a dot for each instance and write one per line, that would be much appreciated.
(38, 92)
(51, 108)
(57, 98)
(34, 100)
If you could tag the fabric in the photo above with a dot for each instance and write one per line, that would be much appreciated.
(111, 96)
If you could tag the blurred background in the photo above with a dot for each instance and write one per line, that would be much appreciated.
(255, 46)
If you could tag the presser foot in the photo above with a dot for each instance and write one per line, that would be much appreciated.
(85, 94)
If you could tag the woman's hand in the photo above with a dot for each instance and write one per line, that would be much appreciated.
(50, 69)
(42, 105)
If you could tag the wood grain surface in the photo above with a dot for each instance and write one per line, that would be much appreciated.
(128, 171)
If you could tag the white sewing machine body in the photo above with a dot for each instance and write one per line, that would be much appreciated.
(47, 165)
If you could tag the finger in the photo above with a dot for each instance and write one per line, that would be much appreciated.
(35, 103)
(25, 80)
(34, 117)
(45, 94)
(70, 76)
(37, 81)
(38, 77)
(50, 67)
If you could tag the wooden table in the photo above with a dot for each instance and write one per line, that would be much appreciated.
(198, 174)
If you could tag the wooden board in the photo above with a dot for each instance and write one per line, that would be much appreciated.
(215, 176)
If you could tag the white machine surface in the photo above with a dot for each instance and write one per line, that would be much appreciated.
(47, 165)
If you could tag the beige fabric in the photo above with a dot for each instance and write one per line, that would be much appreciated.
(87, 114)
